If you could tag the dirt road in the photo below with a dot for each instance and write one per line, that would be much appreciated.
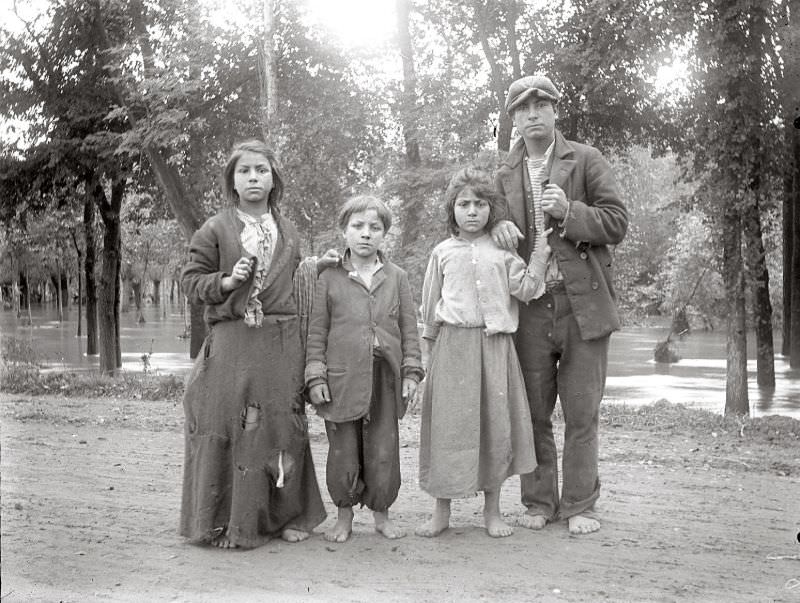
(91, 491)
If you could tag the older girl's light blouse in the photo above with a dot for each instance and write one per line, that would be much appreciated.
(258, 239)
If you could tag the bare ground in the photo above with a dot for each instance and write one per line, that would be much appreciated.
(91, 491)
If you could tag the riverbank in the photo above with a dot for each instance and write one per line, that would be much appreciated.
(694, 507)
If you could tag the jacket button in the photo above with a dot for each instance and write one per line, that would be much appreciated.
(583, 255)
(595, 285)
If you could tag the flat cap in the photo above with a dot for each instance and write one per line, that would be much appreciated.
(531, 85)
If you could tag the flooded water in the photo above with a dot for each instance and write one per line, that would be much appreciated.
(698, 379)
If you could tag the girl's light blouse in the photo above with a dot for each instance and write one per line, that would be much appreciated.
(471, 284)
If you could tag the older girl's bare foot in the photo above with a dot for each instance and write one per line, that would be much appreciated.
(222, 542)
(578, 524)
(294, 535)
(532, 522)
(385, 526)
(341, 530)
(496, 527)
(439, 521)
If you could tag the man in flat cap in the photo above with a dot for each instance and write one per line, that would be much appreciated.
(565, 190)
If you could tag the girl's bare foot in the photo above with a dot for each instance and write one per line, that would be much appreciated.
(492, 518)
(222, 542)
(439, 521)
(294, 535)
(578, 524)
(532, 522)
(385, 526)
(341, 530)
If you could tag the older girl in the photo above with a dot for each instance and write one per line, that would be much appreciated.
(248, 472)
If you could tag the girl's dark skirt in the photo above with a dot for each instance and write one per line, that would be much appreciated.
(248, 471)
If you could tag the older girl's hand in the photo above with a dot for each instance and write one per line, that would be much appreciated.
(240, 273)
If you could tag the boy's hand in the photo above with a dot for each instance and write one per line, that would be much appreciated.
(409, 389)
(319, 393)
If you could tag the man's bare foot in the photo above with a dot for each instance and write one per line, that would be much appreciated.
(294, 535)
(532, 522)
(341, 530)
(578, 524)
(496, 527)
(439, 521)
(385, 526)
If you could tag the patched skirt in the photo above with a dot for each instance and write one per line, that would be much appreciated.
(248, 471)
(476, 426)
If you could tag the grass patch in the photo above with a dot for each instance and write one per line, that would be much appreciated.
(669, 418)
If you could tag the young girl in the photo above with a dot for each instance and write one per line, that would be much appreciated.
(248, 472)
(362, 367)
(476, 429)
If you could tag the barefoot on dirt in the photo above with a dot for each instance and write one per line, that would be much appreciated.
(385, 526)
(343, 527)
(532, 522)
(294, 535)
(578, 524)
(439, 521)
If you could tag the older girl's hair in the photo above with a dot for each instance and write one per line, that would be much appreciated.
(480, 182)
(253, 146)
(361, 203)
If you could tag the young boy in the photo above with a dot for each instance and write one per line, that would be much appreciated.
(363, 365)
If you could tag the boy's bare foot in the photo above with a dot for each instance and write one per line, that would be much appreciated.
(341, 530)
(439, 521)
(495, 525)
(578, 524)
(294, 535)
(385, 526)
(532, 522)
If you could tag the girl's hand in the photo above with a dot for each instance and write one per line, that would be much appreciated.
(331, 259)
(409, 389)
(541, 249)
(319, 393)
(240, 273)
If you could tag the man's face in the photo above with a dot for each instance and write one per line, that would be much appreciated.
(535, 119)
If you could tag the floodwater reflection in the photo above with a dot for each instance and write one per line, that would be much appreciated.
(634, 378)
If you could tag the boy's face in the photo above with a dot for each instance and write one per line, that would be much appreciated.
(535, 119)
(364, 234)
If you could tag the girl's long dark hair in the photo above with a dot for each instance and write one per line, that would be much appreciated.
(253, 146)
(480, 181)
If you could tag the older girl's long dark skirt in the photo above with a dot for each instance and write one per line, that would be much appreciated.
(248, 471)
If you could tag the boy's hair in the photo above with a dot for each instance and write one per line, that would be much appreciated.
(254, 146)
(480, 181)
(361, 203)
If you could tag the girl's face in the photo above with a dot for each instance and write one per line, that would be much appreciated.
(252, 178)
(471, 214)
(364, 234)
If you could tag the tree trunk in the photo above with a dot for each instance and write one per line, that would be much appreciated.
(79, 254)
(409, 98)
(788, 244)
(197, 325)
(758, 280)
(109, 300)
(89, 261)
(268, 80)
(794, 233)
(736, 396)
(499, 83)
